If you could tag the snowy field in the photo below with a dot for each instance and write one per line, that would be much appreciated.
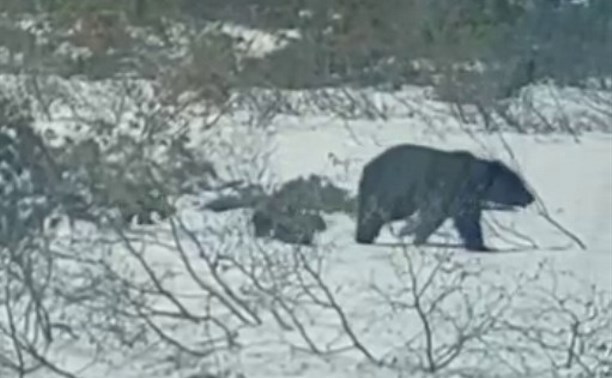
(573, 179)
(374, 286)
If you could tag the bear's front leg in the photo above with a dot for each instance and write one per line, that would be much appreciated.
(428, 224)
(467, 223)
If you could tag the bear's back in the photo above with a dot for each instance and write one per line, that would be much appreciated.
(412, 158)
(420, 168)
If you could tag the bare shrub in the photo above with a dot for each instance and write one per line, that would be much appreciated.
(456, 306)
(98, 287)
(469, 320)
(209, 70)
(563, 325)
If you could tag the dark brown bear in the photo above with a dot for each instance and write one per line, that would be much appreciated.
(437, 184)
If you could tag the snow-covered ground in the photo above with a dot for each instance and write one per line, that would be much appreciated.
(572, 177)
(574, 180)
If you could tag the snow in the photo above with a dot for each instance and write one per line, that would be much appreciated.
(571, 174)
(255, 43)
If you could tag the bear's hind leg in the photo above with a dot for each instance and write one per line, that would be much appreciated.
(467, 224)
(428, 224)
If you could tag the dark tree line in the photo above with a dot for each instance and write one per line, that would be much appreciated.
(342, 41)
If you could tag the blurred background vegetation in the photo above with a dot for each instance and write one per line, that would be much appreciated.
(357, 42)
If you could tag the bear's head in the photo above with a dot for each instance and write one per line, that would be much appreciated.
(505, 187)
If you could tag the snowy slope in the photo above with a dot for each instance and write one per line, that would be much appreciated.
(573, 178)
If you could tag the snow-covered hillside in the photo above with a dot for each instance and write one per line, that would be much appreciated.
(574, 180)
(358, 316)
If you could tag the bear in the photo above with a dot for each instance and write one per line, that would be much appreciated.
(408, 178)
